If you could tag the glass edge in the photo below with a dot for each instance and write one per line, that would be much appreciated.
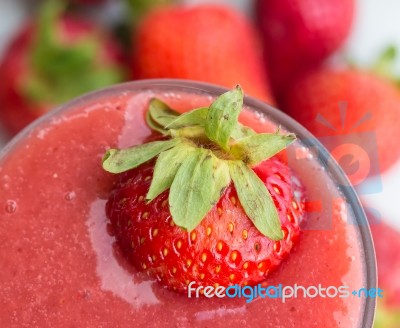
(304, 135)
(349, 193)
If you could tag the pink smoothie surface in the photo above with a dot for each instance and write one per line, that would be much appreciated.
(60, 266)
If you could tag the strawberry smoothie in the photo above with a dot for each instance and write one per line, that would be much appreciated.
(60, 266)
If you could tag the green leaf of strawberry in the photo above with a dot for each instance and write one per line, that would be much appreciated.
(207, 149)
(192, 192)
(117, 161)
(154, 125)
(256, 200)
(139, 8)
(58, 64)
(194, 117)
(161, 118)
(160, 112)
(254, 149)
(385, 65)
(386, 317)
(166, 167)
(223, 116)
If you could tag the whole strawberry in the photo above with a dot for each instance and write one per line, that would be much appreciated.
(53, 59)
(207, 43)
(214, 208)
(352, 102)
(298, 35)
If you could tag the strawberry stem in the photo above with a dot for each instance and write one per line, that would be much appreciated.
(207, 149)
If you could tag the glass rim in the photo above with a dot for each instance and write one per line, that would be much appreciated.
(306, 137)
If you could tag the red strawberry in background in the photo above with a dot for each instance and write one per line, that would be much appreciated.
(387, 245)
(214, 208)
(298, 35)
(207, 43)
(371, 103)
(53, 59)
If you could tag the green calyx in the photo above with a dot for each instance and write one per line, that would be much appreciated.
(140, 8)
(61, 70)
(385, 65)
(386, 317)
(202, 152)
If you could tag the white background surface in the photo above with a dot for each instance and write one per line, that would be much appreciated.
(377, 25)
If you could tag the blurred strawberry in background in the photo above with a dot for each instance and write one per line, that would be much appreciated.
(207, 43)
(298, 35)
(53, 59)
(321, 92)
(387, 246)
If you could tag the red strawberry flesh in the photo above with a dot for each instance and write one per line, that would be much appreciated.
(225, 248)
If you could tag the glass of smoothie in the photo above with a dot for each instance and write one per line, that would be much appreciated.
(60, 265)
